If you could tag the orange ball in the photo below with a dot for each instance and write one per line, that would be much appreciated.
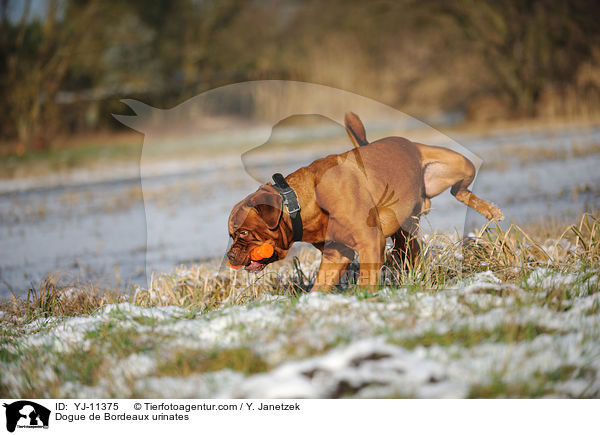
(261, 252)
(233, 267)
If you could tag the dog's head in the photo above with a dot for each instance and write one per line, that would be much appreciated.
(254, 221)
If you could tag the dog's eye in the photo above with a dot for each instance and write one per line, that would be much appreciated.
(243, 233)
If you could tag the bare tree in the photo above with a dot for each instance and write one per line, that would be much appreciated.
(527, 45)
(39, 54)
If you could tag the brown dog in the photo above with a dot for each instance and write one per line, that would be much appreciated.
(351, 202)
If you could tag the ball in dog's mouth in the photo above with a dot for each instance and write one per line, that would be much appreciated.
(258, 265)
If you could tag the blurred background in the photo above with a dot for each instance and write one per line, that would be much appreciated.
(516, 82)
(66, 64)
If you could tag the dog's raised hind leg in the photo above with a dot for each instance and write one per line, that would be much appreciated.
(444, 168)
(484, 207)
(464, 195)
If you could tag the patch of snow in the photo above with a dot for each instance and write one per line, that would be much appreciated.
(75, 390)
(549, 279)
(577, 283)
(369, 368)
(130, 310)
(514, 363)
(195, 386)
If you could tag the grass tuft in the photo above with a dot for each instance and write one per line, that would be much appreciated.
(200, 361)
(51, 298)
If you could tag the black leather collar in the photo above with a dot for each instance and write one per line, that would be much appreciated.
(291, 202)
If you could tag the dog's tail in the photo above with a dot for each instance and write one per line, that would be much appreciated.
(355, 129)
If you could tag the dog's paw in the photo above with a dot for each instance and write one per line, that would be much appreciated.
(494, 213)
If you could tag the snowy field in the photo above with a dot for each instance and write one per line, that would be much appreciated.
(480, 337)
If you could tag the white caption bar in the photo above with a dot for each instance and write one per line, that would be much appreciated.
(24, 416)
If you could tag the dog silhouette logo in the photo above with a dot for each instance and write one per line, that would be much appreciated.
(279, 126)
(26, 414)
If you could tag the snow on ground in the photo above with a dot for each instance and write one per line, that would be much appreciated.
(479, 337)
(367, 368)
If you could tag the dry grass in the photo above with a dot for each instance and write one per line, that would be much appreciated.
(55, 299)
(204, 288)
(511, 254)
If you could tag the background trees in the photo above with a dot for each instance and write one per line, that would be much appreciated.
(65, 63)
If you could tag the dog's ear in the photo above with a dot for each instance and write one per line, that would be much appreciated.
(269, 205)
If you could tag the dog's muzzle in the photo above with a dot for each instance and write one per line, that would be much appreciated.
(238, 259)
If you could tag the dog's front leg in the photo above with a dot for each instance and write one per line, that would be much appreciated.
(370, 254)
(334, 261)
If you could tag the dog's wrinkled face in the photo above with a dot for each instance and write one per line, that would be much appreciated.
(253, 222)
